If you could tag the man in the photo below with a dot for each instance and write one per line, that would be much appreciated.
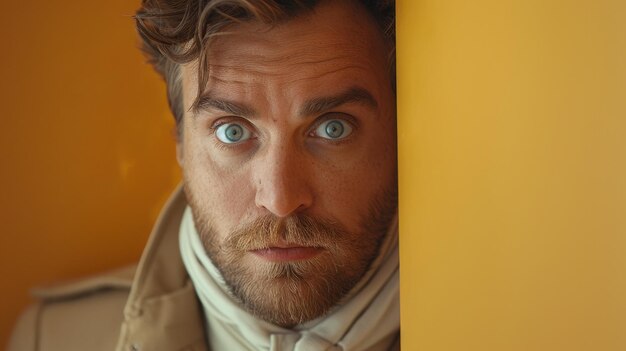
(284, 236)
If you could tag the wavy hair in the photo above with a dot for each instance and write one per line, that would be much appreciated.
(174, 32)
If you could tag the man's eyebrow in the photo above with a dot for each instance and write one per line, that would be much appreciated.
(355, 94)
(206, 101)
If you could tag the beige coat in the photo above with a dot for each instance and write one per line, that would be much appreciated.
(155, 303)
(156, 307)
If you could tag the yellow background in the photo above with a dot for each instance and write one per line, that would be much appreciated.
(512, 164)
(86, 150)
(512, 133)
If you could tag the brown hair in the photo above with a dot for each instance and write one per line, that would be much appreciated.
(177, 31)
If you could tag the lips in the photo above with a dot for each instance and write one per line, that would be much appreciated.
(283, 252)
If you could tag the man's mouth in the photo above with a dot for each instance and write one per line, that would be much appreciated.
(284, 252)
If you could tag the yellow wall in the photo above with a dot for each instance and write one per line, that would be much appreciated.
(86, 150)
(512, 132)
(513, 167)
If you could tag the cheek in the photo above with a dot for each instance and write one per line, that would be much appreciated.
(347, 189)
(224, 194)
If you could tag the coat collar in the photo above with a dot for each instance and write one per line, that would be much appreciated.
(162, 312)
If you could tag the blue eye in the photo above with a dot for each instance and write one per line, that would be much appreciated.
(334, 129)
(230, 133)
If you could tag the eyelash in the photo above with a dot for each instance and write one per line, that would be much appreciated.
(324, 118)
(224, 146)
(333, 116)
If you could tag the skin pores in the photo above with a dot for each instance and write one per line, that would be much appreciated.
(289, 161)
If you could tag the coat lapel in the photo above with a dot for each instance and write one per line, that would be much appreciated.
(162, 312)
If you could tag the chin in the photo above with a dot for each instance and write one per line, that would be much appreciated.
(290, 293)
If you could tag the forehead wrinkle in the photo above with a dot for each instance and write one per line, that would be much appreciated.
(235, 75)
(224, 82)
(325, 73)
(255, 61)
(253, 56)
(215, 79)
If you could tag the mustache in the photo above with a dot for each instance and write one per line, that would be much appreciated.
(300, 229)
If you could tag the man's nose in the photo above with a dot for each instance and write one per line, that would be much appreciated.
(282, 186)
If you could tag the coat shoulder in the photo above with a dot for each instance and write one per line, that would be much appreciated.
(81, 315)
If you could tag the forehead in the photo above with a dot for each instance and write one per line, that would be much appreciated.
(333, 30)
(337, 41)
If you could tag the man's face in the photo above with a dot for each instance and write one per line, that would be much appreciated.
(289, 162)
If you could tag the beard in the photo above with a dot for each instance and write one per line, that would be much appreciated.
(293, 292)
